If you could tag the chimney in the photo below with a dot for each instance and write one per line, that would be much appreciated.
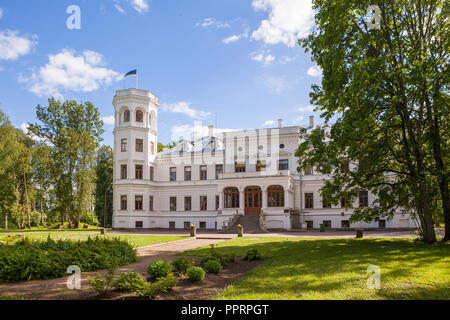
(280, 123)
(211, 130)
(195, 136)
(311, 121)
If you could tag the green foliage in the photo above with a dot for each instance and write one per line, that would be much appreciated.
(100, 284)
(222, 258)
(103, 186)
(195, 273)
(130, 281)
(384, 98)
(159, 269)
(181, 264)
(205, 259)
(31, 260)
(213, 266)
(252, 254)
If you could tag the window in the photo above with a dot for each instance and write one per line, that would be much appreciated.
(173, 174)
(138, 202)
(219, 170)
(260, 166)
(343, 202)
(187, 173)
(309, 200)
(152, 148)
(123, 203)
(275, 196)
(325, 202)
(202, 224)
(327, 223)
(309, 224)
(171, 224)
(283, 164)
(187, 203)
(152, 173)
(126, 116)
(203, 203)
(173, 204)
(382, 224)
(239, 167)
(139, 172)
(187, 224)
(217, 202)
(123, 171)
(345, 224)
(203, 172)
(363, 199)
(123, 145)
(139, 224)
(308, 171)
(231, 197)
(150, 203)
(139, 145)
(139, 116)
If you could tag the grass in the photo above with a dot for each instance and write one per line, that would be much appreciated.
(306, 268)
(135, 239)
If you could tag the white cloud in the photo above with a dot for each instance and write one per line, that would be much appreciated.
(269, 123)
(184, 107)
(314, 71)
(119, 8)
(309, 108)
(12, 46)
(289, 20)
(108, 120)
(140, 6)
(286, 59)
(207, 22)
(264, 57)
(24, 127)
(299, 119)
(235, 38)
(67, 71)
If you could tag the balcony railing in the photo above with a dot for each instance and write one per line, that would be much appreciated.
(255, 174)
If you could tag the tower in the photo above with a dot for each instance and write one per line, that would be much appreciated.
(135, 149)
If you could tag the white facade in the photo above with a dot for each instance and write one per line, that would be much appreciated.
(241, 172)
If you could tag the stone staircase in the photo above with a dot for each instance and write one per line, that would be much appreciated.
(249, 223)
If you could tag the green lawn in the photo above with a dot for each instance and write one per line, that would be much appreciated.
(135, 239)
(306, 268)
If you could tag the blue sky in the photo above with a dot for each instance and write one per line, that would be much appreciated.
(230, 63)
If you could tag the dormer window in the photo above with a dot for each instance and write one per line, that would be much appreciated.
(139, 116)
(126, 116)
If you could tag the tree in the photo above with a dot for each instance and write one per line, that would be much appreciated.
(73, 130)
(170, 145)
(385, 89)
(104, 186)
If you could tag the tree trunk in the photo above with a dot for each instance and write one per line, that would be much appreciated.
(105, 222)
(426, 217)
(28, 203)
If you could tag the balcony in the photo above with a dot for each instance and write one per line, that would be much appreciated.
(254, 174)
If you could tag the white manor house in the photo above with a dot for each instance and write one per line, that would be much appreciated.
(210, 181)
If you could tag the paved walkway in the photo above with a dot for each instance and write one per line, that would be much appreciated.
(57, 288)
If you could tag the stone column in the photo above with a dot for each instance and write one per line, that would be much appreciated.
(221, 200)
(264, 198)
(286, 198)
(242, 201)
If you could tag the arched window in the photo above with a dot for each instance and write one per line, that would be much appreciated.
(139, 116)
(150, 120)
(275, 196)
(126, 116)
(231, 197)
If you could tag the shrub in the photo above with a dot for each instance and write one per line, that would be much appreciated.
(150, 290)
(101, 284)
(159, 269)
(252, 254)
(213, 266)
(181, 264)
(33, 260)
(195, 273)
(208, 258)
(130, 281)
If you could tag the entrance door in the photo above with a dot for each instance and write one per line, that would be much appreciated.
(253, 201)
